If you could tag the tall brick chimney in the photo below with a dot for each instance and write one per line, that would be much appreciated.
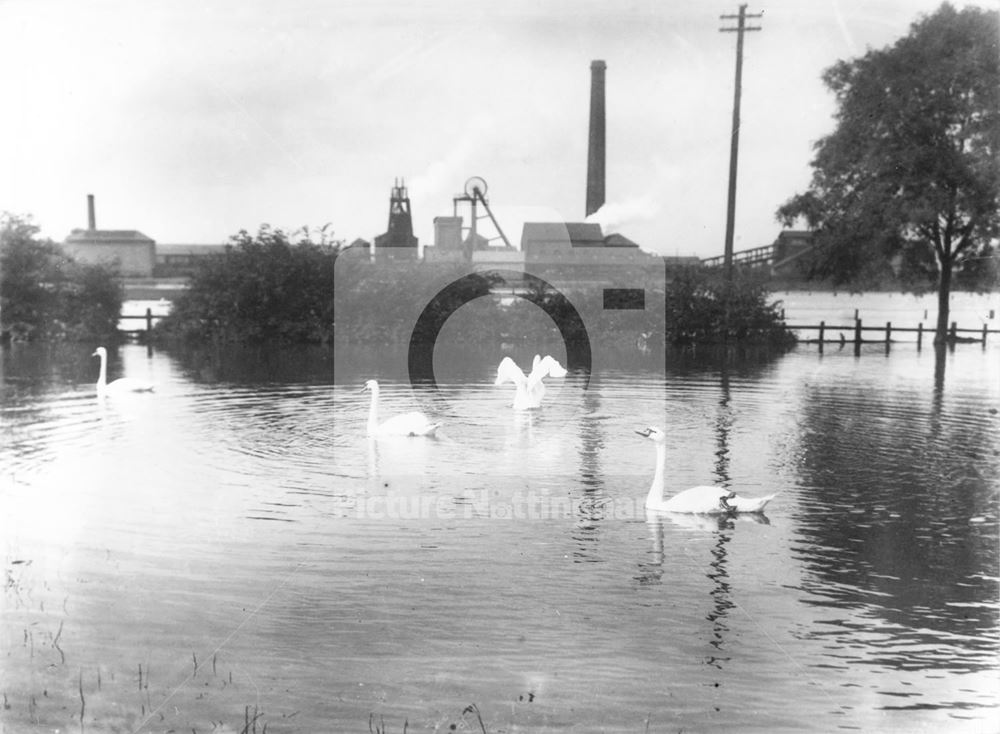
(91, 217)
(596, 150)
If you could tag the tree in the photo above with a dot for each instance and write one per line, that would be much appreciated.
(268, 287)
(46, 294)
(911, 171)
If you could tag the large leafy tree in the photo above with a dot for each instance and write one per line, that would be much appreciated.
(911, 171)
(46, 295)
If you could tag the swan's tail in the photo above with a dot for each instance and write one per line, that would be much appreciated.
(751, 504)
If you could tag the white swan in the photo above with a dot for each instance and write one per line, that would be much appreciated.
(698, 500)
(407, 424)
(122, 384)
(530, 389)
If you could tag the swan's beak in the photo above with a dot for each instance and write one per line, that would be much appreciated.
(95, 354)
(645, 432)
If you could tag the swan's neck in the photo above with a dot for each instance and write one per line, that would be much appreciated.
(656, 489)
(102, 377)
(373, 413)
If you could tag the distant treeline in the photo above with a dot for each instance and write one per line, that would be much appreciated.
(269, 288)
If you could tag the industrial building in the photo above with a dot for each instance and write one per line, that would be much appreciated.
(542, 244)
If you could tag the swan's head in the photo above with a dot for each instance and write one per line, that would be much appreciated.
(100, 352)
(371, 385)
(653, 434)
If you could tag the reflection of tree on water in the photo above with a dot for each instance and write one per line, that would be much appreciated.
(940, 362)
(898, 518)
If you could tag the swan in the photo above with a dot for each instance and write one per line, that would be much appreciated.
(530, 389)
(697, 500)
(407, 424)
(122, 384)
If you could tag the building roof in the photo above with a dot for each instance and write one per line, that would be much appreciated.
(618, 240)
(108, 235)
(579, 234)
(191, 249)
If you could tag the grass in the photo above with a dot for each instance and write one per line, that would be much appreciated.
(378, 727)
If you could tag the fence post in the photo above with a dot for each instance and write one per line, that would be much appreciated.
(822, 328)
(984, 334)
(149, 320)
(920, 334)
(953, 334)
(857, 336)
(888, 331)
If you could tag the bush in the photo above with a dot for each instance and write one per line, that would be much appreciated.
(697, 310)
(46, 295)
(265, 288)
(270, 289)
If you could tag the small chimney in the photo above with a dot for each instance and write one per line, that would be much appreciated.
(448, 233)
(596, 150)
(91, 217)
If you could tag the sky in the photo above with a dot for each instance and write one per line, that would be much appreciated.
(190, 121)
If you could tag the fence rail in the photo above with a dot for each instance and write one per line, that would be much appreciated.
(858, 329)
(147, 317)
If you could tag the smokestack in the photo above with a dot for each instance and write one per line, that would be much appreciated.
(91, 217)
(595, 151)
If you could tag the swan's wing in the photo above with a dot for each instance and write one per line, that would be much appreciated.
(543, 368)
(130, 384)
(701, 500)
(555, 369)
(509, 371)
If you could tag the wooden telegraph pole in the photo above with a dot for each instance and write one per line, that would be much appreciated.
(739, 30)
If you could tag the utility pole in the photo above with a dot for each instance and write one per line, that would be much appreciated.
(739, 30)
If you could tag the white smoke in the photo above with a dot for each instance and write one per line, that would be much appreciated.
(614, 216)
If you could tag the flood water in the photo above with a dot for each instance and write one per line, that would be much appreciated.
(233, 546)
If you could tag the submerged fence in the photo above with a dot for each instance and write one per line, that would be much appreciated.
(822, 329)
(858, 328)
(147, 317)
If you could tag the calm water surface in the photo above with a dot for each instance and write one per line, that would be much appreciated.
(234, 544)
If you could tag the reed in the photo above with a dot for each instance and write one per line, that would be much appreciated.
(251, 721)
(83, 701)
(472, 708)
(55, 643)
(378, 727)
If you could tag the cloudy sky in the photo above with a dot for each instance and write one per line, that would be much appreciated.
(190, 121)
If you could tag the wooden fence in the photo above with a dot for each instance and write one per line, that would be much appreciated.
(822, 329)
(858, 328)
(147, 317)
